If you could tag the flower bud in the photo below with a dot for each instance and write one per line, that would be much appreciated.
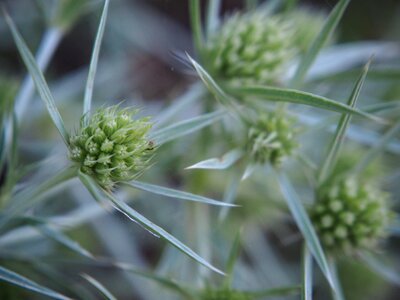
(350, 216)
(252, 48)
(271, 138)
(112, 147)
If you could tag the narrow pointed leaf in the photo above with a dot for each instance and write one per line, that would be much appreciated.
(61, 238)
(337, 141)
(275, 292)
(319, 41)
(100, 287)
(307, 275)
(183, 128)
(303, 222)
(87, 100)
(215, 89)
(222, 163)
(248, 171)
(337, 294)
(383, 269)
(39, 80)
(16, 279)
(299, 97)
(172, 193)
(136, 217)
(232, 258)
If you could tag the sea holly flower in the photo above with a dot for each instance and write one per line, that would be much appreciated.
(350, 216)
(112, 147)
(271, 138)
(251, 48)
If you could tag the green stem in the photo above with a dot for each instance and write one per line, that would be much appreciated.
(195, 20)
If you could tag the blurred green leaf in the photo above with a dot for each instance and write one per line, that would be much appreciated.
(133, 215)
(16, 279)
(319, 41)
(31, 196)
(381, 268)
(307, 275)
(212, 21)
(338, 138)
(100, 287)
(68, 12)
(337, 294)
(232, 258)
(172, 132)
(163, 191)
(63, 239)
(195, 22)
(87, 100)
(39, 80)
(303, 222)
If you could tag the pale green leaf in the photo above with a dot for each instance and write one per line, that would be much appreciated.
(222, 163)
(299, 97)
(63, 239)
(303, 222)
(16, 279)
(232, 258)
(100, 287)
(319, 41)
(307, 275)
(39, 80)
(195, 21)
(338, 138)
(385, 270)
(87, 100)
(136, 217)
(172, 193)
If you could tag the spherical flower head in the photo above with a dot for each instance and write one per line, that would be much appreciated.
(271, 138)
(350, 216)
(224, 294)
(252, 48)
(112, 147)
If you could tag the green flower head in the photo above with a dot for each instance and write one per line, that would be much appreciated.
(251, 48)
(350, 216)
(271, 138)
(112, 147)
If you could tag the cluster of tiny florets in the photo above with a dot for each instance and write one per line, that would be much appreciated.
(271, 138)
(350, 216)
(251, 48)
(112, 147)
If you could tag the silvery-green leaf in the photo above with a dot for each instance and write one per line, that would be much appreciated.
(227, 160)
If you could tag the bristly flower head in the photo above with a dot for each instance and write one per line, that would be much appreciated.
(271, 138)
(112, 147)
(251, 48)
(350, 216)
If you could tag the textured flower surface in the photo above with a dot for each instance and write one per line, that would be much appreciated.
(271, 138)
(350, 216)
(112, 147)
(251, 48)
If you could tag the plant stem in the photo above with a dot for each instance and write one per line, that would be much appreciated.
(48, 45)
